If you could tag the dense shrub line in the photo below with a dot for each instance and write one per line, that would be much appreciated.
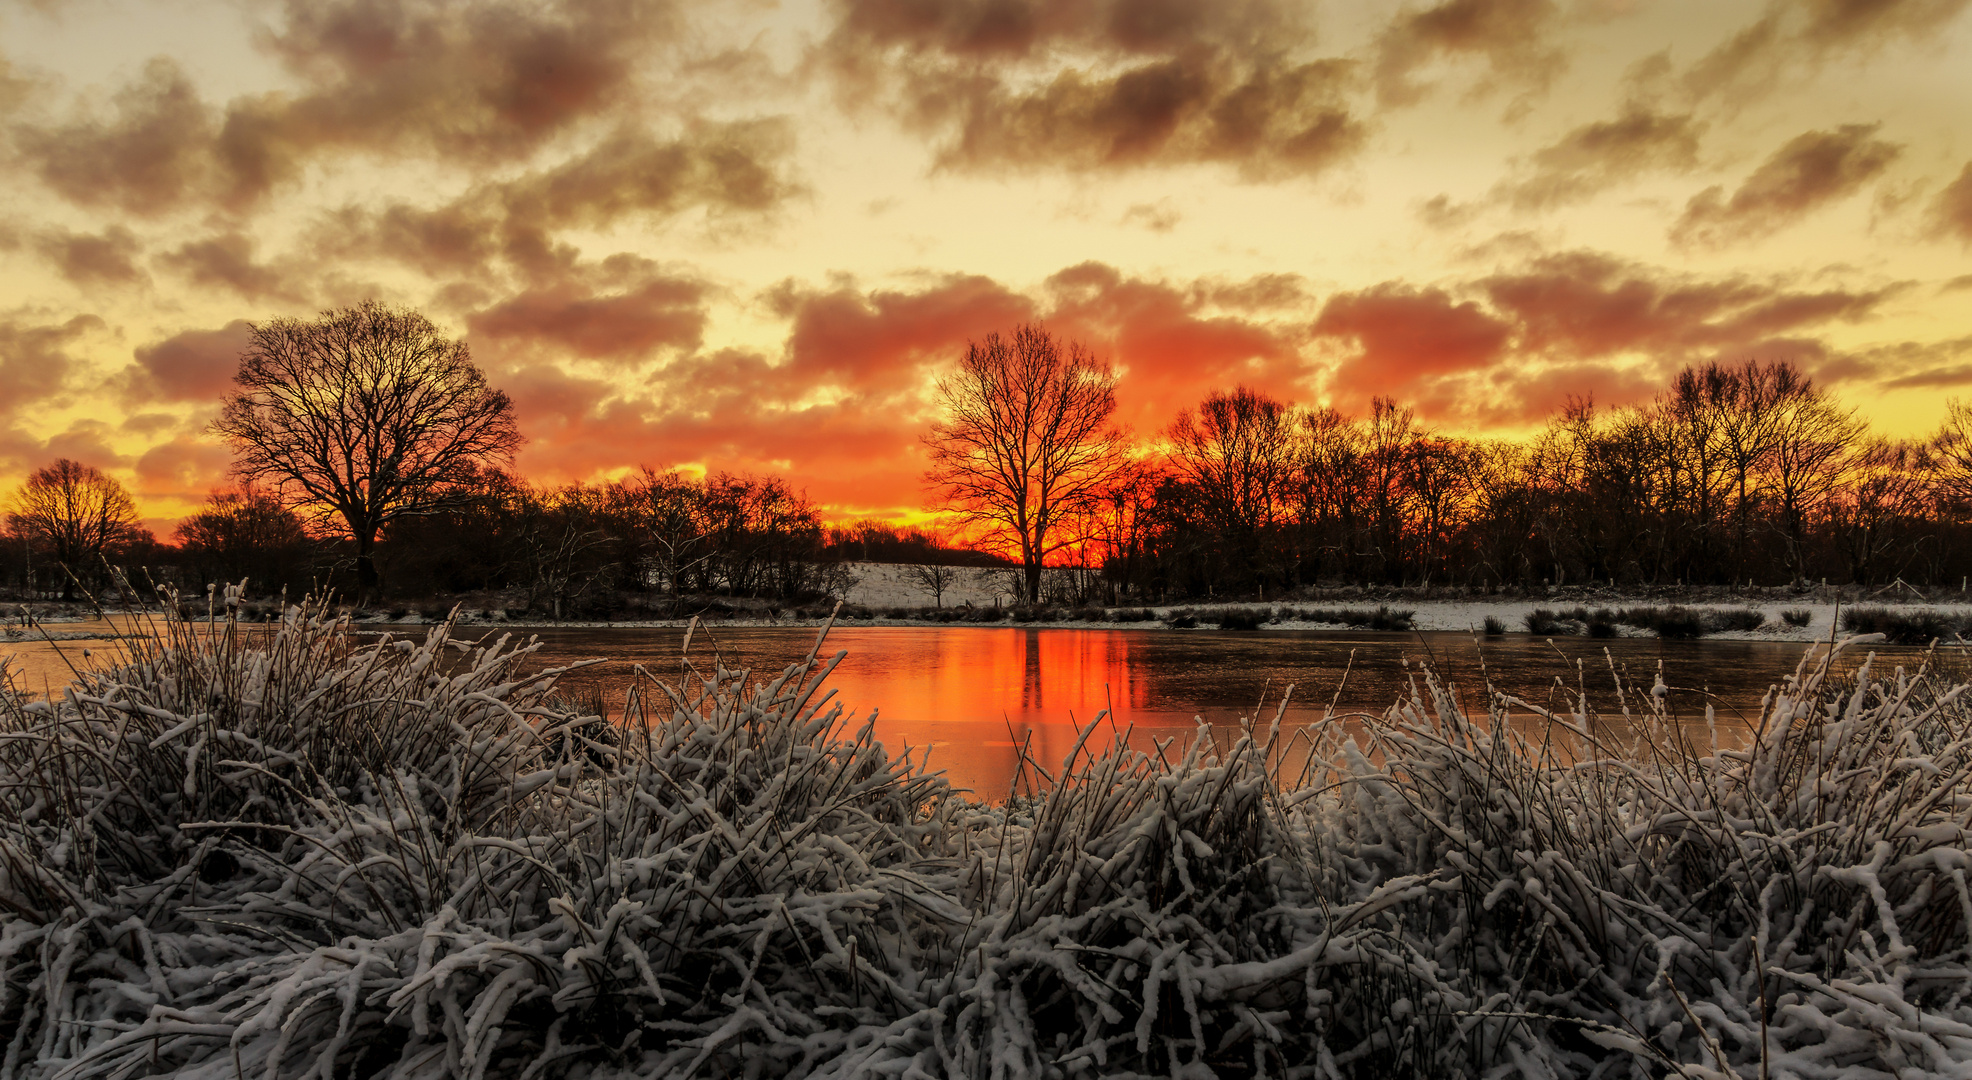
(280, 855)
(1675, 621)
(1909, 626)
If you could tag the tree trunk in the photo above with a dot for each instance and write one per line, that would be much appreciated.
(1033, 582)
(366, 568)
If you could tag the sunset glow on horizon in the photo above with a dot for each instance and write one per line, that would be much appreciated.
(749, 236)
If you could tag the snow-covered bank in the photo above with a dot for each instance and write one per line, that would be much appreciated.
(1815, 621)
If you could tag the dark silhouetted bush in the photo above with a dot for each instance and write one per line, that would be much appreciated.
(1239, 619)
(1908, 627)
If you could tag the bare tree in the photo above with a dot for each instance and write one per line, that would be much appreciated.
(1812, 440)
(1238, 451)
(933, 578)
(247, 534)
(1952, 447)
(75, 514)
(1026, 443)
(364, 416)
(1881, 506)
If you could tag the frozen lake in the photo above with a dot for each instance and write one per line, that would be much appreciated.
(972, 693)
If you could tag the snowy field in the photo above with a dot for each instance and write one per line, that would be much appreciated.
(888, 585)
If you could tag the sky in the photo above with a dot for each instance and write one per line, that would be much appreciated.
(748, 236)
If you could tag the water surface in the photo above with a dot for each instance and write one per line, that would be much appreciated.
(973, 694)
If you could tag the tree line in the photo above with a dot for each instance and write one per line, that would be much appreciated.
(372, 457)
(371, 453)
(659, 541)
(1733, 473)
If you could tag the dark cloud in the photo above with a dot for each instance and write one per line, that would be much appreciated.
(149, 424)
(1000, 30)
(1509, 347)
(1511, 36)
(1810, 171)
(92, 260)
(35, 361)
(1262, 292)
(1406, 338)
(1753, 61)
(1963, 281)
(1953, 208)
(732, 167)
(1943, 378)
(1101, 85)
(475, 83)
(1159, 216)
(195, 365)
(14, 88)
(1868, 23)
(479, 82)
(728, 169)
(626, 324)
(226, 261)
(1440, 212)
(150, 154)
(1901, 365)
(1598, 156)
(1269, 123)
(1584, 305)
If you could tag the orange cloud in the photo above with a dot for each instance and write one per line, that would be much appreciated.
(192, 366)
(883, 342)
(1408, 337)
(655, 313)
(1587, 305)
(869, 355)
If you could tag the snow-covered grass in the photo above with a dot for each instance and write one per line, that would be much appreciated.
(287, 856)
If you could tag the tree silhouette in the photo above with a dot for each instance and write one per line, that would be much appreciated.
(75, 514)
(364, 416)
(247, 534)
(1026, 443)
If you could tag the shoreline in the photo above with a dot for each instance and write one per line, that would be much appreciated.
(1427, 616)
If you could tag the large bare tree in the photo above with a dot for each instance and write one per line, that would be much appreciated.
(364, 416)
(1026, 442)
(75, 514)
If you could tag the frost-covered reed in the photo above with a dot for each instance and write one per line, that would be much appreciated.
(281, 855)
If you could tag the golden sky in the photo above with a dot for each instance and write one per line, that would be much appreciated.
(747, 235)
